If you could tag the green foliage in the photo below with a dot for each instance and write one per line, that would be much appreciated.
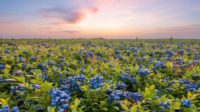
(62, 59)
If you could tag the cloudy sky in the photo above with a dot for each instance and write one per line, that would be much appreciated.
(100, 18)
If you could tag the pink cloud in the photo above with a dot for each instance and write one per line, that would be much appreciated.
(68, 16)
(73, 14)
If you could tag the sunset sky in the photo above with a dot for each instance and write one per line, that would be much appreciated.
(99, 18)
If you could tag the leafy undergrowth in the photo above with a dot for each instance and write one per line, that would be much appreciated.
(99, 75)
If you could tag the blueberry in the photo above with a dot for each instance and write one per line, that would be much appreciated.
(186, 103)
(65, 106)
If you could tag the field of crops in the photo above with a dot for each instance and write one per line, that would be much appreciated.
(99, 75)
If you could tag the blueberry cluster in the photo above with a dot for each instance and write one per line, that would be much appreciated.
(158, 65)
(109, 91)
(2, 66)
(14, 89)
(196, 77)
(150, 61)
(119, 95)
(45, 77)
(121, 85)
(82, 69)
(6, 108)
(73, 83)
(116, 95)
(164, 104)
(67, 87)
(40, 109)
(127, 77)
(6, 51)
(24, 66)
(133, 49)
(137, 96)
(161, 111)
(195, 61)
(42, 67)
(86, 54)
(60, 99)
(186, 103)
(135, 54)
(181, 52)
(129, 95)
(21, 60)
(25, 52)
(66, 73)
(143, 72)
(36, 86)
(117, 55)
(33, 58)
(96, 82)
(117, 52)
(192, 87)
(138, 59)
(128, 53)
(195, 57)
(18, 73)
(1, 78)
(50, 63)
(38, 50)
(189, 86)
(169, 53)
(99, 58)
(90, 53)
(182, 81)
(166, 79)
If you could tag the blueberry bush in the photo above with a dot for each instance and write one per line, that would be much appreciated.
(97, 75)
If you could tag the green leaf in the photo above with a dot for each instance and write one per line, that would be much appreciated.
(77, 102)
(74, 111)
(20, 79)
(85, 88)
(124, 107)
(133, 108)
(73, 107)
(51, 109)
(163, 98)
(46, 86)
(152, 87)
(3, 101)
(157, 101)
(189, 95)
(177, 105)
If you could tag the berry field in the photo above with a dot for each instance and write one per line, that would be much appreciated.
(98, 75)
